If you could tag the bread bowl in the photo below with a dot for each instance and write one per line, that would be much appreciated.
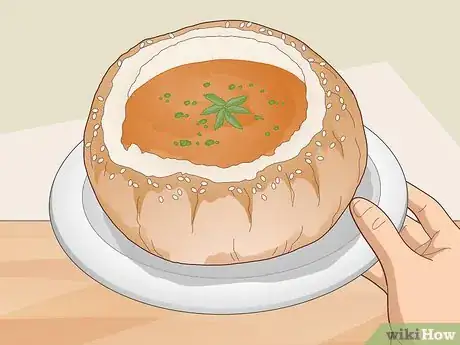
(275, 164)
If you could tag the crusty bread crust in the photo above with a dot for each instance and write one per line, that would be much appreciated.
(189, 219)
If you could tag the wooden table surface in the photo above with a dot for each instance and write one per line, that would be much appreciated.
(46, 300)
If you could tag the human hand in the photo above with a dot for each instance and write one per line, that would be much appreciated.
(419, 269)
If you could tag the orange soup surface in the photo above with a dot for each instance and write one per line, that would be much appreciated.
(218, 113)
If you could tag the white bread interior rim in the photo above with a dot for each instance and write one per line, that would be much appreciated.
(203, 45)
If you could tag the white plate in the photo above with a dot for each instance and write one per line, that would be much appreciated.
(94, 244)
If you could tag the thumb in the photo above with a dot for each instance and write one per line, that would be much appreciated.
(382, 236)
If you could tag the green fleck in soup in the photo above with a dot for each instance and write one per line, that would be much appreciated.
(180, 115)
(184, 143)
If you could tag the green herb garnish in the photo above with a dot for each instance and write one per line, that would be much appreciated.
(267, 134)
(207, 84)
(276, 128)
(202, 122)
(258, 117)
(167, 101)
(251, 85)
(225, 110)
(262, 91)
(205, 126)
(187, 102)
(240, 87)
(271, 102)
(231, 86)
(199, 134)
(197, 143)
(194, 102)
(209, 142)
(180, 115)
(176, 143)
(167, 95)
(185, 143)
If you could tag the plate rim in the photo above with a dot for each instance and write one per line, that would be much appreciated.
(194, 308)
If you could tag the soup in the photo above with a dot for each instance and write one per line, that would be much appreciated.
(218, 113)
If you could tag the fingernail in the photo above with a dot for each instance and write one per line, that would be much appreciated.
(359, 207)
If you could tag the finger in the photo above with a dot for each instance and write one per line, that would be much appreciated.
(376, 276)
(413, 234)
(381, 235)
(432, 255)
(431, 247)
(423, 247)
(428, 211)
(435, 247)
